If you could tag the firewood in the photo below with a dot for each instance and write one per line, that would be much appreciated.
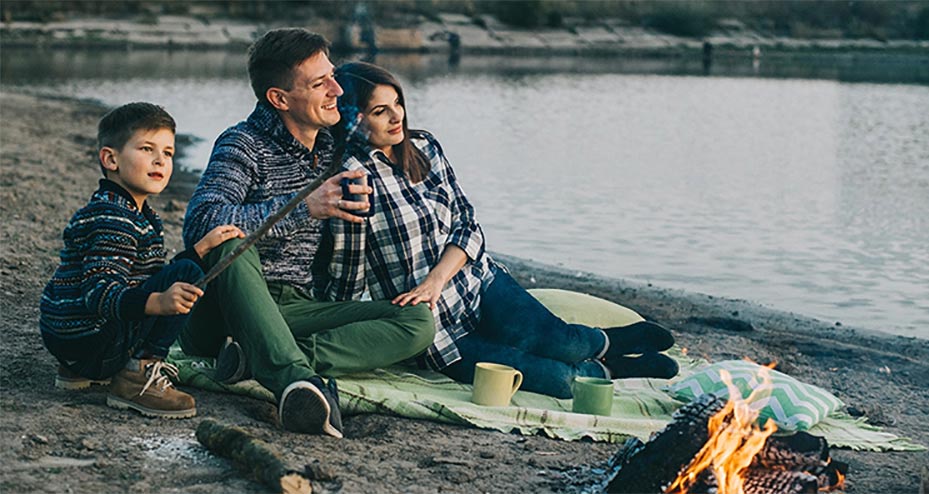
(800, 451)
(764, 481)
(254, 456)
(657, 463)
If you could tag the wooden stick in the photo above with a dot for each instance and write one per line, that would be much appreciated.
(270, 221)
(252, 455)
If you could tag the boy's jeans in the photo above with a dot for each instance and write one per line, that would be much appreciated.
(517, 330)
(108, 353)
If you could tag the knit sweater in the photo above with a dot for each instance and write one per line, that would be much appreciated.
(256, 167)
(110, 248)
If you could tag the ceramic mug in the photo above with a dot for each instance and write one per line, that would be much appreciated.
(592, 395)
(495, 384)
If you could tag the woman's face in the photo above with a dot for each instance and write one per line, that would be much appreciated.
(385, 119)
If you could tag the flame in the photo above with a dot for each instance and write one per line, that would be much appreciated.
(734, 440)
(839, 483)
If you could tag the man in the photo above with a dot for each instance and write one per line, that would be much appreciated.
(264, 298)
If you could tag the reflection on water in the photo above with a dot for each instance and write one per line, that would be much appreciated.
(794, 189)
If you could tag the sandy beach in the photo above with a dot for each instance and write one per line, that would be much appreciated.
(60, 441)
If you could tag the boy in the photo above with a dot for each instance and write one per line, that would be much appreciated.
(113, 307)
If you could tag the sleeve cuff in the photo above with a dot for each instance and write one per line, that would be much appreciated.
(472, 245)
(132, 304)
(191, 254)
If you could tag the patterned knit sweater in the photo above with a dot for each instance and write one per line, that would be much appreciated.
(256, 167)
(110, 248)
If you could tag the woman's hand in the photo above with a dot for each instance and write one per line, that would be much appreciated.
(428, 291)
(215, 237)
(452, 260)
(179, 298)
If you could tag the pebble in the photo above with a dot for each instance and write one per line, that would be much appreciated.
(37, 438)
(318, 471)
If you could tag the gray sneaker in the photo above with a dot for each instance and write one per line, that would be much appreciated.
(311, 407)
(230, 363)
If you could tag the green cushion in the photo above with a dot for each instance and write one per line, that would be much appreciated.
(793, 405)
(580, 308)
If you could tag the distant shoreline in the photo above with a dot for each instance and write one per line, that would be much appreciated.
(433, 36)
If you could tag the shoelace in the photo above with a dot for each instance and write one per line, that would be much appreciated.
(155, 375)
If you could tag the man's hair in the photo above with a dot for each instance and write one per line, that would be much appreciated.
(118, 125)
(272, 58)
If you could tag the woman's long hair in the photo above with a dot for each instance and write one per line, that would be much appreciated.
(358, 80)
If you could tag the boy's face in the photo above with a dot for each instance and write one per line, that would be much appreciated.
(144, 164)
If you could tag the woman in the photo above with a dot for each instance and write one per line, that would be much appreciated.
(422, 244)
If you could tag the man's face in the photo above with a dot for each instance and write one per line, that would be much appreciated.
(311, 102)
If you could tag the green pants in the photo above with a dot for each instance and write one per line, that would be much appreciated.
(288, 337)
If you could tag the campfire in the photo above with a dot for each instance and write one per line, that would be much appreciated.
(715, 446)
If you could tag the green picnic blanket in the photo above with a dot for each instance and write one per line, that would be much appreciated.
(640, 406)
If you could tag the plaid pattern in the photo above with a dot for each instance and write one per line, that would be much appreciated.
(405, 238)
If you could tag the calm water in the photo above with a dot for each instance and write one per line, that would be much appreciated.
(802, 186)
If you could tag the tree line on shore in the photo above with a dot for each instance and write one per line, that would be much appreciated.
(876, 19)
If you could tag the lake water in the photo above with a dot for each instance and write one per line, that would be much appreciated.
(801, 185)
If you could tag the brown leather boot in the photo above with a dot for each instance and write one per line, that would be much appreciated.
(144, 387)
(65, 379)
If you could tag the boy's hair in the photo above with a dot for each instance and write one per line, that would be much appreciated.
(118, 125)
(272, 58)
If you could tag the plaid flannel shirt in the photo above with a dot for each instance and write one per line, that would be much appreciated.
(394, 250)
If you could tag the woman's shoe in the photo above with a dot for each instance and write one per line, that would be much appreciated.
(650, 364)
(640, 337)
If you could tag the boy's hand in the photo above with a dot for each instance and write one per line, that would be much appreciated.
(179, 298)
(215, 237)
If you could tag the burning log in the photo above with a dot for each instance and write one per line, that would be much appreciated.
(802, 452)
(253, 455)
(795, 464)
(764, 481)
(652, 466)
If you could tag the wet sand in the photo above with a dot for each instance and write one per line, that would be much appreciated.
(70, 441)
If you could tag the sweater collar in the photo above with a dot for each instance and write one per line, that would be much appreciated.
(266, 119)
(107, 185)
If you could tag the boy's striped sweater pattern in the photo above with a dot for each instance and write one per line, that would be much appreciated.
(110, 248)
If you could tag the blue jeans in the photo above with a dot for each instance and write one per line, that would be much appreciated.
(517, 330)
(153, 335)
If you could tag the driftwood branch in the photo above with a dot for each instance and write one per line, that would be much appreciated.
(256, 457)
(269, 222)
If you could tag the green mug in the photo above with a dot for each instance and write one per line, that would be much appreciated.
(495, 384)
(592, 395)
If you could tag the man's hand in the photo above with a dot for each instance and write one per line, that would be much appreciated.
(216, 237)
(326, 201)
(179, 298)
(428, 291)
